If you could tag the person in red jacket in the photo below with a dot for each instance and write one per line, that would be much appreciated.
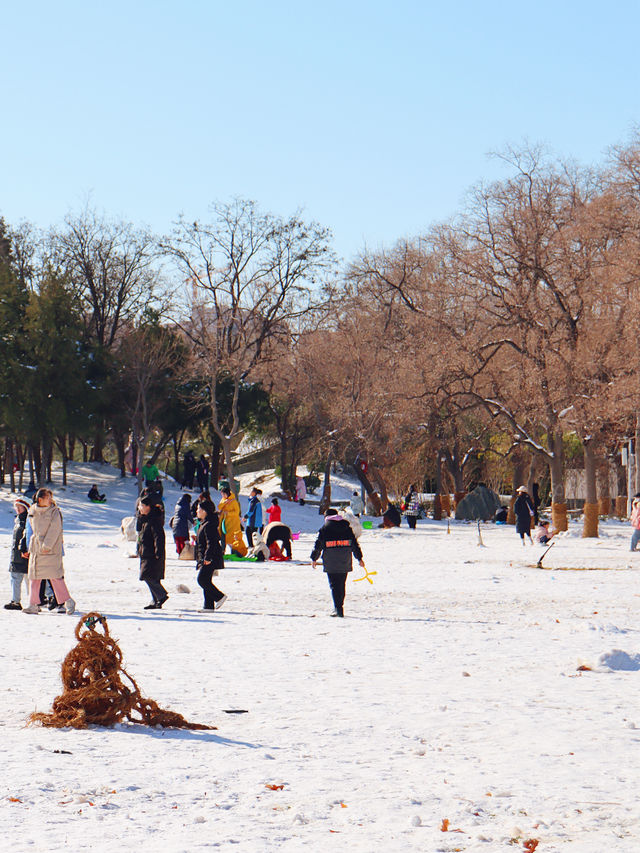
(274, 512)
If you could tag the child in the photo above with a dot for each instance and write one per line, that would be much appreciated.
(542, 534)
(274, 512)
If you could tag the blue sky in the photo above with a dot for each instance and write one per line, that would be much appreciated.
(374, 117)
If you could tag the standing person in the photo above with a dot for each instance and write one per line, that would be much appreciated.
(19, 556)
(202, 473)
(357, 504)
(301, 491)
(524, 510)
(274, 512)
(230, 526)
(46, 549)
(209, 557)
(635, 522)
(180, 522)
(412, 506)
(151, 550)
(253, 516)
(336, 542)
(150, 474)
(189, 469)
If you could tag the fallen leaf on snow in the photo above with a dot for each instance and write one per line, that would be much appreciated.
(444, 826)
(274, 787)
(530, 844)
(14, 799)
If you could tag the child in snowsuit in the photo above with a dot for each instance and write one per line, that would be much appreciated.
(19, 562)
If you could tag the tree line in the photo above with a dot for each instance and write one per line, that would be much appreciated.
(495, 347)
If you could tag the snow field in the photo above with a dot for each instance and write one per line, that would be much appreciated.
(450, 692)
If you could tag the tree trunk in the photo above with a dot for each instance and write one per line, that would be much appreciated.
(119, 441)
(10, 463)
(437, 503)
(556, 469)
(590, 524)
(325, 500)
(604, 488)
(97, 454)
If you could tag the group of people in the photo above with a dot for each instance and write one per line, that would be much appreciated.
(37, 555)
(525, 509)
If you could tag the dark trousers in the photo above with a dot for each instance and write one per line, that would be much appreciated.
(337, 583)
(248, 532)
(211, 592)
(411, 521)
(158, 592)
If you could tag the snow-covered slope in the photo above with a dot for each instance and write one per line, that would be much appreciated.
(450, 692)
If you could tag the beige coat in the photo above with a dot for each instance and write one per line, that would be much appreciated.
(45, 547)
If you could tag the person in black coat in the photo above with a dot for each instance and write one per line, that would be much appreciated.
(189, 466)
(181, 521)
(202, 473)
(524, 510)
(336, 542)
(151, 550)
(19, 563)
(209, 556)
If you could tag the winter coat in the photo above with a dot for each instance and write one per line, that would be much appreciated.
(301, 489)
(274, 512)
(182, 518)
(524, 510)
(150, 473)
(353, 521)
(635, 517)
(254, 513)
(357, 505)
(45, 546)
(208, 545)
(18, 562)
(189, 465)
(151, 546)
(336, 542)
(229, 512)
(276, 531)
(412, 504)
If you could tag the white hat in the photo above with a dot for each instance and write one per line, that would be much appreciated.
(521, 489)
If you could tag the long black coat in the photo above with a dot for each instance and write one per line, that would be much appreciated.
(208, 545)
(151, 546)
(524, 509)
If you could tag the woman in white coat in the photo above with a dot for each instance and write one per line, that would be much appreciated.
(45, 551)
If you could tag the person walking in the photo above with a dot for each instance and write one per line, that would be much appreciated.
(301, 491)
(253, 515)
(209, 557)
(180, 522)
(46, 549)
(336, 543)
(151, 550)
(151, 475)
(412, 506)
(524, 511)
(19, 563)
(202, 473)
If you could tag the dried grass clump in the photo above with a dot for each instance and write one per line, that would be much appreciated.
(94, 693)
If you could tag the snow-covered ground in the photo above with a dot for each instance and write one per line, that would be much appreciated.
(449, 693)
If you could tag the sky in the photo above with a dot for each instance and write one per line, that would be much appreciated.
(374, 118)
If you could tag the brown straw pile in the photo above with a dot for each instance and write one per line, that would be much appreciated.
(94, 693)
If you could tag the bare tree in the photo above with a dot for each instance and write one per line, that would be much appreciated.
(253, 277)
